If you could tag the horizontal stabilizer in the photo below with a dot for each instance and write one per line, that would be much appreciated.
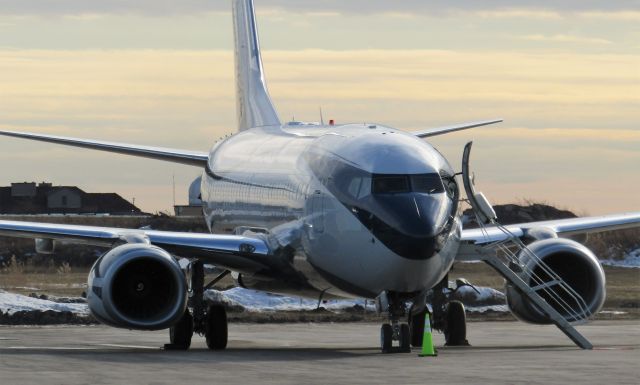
(193, 158)
(455, 127)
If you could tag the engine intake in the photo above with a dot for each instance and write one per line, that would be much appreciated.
(572, 262)
(137, 286)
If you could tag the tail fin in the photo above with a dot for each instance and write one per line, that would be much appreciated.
(253, 104)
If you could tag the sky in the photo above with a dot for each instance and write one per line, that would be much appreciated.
(565, 77)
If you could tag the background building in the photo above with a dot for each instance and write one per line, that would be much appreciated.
(44, 198)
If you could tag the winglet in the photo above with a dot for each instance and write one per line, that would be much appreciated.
(453, 128)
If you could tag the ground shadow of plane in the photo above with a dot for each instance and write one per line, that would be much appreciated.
(155, 355)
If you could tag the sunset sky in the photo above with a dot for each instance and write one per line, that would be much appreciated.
(566, 79)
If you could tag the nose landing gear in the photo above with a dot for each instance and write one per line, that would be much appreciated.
(395, 306)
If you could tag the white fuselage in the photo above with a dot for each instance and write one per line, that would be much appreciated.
(309, 190)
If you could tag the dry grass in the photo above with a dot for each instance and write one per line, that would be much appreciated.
(67, 284)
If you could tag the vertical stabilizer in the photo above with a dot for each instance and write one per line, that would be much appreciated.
(253, 104)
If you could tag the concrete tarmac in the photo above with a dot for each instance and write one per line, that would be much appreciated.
(502, 353)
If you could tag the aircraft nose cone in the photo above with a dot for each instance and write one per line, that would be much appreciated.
(408, 224)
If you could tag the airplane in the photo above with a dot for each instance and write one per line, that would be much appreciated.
(326, 211)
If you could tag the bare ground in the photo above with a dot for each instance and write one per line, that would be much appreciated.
(623, 294)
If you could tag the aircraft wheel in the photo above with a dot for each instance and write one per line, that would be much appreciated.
(180, 334)
(386, 338)
(455, 330)
(216, 327)
(405, 338)
(416, 324)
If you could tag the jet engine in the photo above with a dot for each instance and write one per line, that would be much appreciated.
(137, 286)
(575, 264)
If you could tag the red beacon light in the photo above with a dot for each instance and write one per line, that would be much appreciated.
(331, 122)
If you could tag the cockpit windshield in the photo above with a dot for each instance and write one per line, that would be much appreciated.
(395, 184)
(390, 184)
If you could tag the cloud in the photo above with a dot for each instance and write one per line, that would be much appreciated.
(156, 8)
(575, 112)
(510, 13)
(624, 15)
(562, 38)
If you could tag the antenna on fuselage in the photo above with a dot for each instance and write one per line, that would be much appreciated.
(321, 118)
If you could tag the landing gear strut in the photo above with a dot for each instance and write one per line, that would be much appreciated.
(210, 321)
(394, 305)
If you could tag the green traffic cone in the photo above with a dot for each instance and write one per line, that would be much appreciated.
(427, 339)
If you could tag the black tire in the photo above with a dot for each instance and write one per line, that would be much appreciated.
(216, 327)
(180, 334)
(386, 338)
(405, 338)
(455, 328)
(416, 323)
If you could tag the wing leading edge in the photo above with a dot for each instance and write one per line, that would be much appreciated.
(566, 227)
(234, 252)
(452, 128)
(192, 158)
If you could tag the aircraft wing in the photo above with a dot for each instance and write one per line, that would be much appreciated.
(565, 227)
(455, 127)
(193, 158)
(233, 252)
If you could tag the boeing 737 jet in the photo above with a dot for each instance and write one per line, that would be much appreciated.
(327, 211)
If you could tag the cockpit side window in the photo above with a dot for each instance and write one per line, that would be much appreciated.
(450, 185)
(359, 187)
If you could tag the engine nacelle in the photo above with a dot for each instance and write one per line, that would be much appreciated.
(137, 286)
(575, 264)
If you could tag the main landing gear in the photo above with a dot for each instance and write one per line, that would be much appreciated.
(205, 319)
(448, 316)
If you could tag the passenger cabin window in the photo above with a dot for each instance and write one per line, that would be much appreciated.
(394, 184)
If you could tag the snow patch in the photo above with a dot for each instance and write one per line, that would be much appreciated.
(483, 295)
(11, 303)
(630, 259)
(614, 312)
(253, 300)
(484, 309)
